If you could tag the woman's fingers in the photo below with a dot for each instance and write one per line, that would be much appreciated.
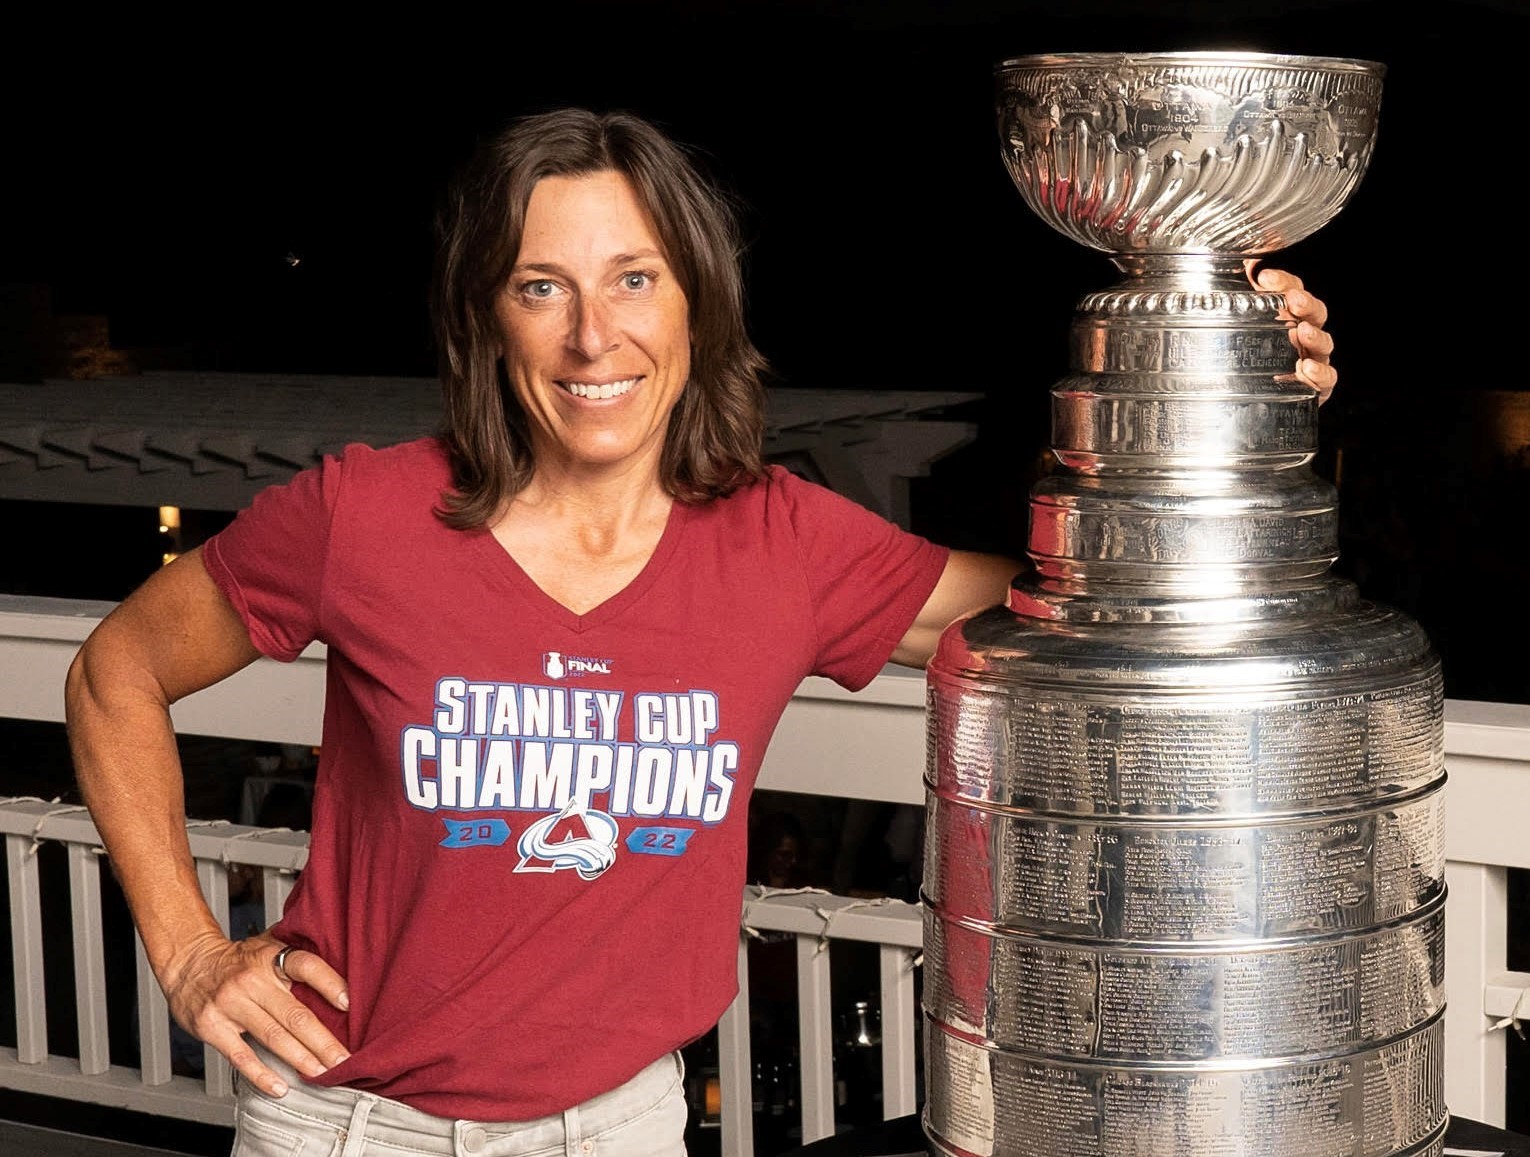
(1275, 280)
(1303, 307)
(1311, 341)
(286, 1025)
(313, 970)
(1321, 376)
(229, 1030)
(1307, 315)
(224, 990)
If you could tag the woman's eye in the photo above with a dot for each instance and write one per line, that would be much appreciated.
(538, 289)
(636, 281)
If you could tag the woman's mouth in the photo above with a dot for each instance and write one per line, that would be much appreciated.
(599, 390)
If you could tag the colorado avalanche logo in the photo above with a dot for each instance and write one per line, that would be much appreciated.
(577, 837)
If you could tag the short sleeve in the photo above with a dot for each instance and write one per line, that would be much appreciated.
(867, 577)
(269, 562)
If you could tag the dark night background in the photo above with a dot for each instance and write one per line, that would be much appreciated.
(258, 197)
(166, 182)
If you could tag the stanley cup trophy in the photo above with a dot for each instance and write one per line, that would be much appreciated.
(1184, 880)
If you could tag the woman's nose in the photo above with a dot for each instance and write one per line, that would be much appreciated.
(593, 331)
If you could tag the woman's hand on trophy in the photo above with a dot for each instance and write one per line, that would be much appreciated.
(1307, 315)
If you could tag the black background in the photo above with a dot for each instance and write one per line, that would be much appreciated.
(166, 176)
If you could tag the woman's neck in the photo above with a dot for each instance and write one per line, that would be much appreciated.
(605, 502)
(580, 540)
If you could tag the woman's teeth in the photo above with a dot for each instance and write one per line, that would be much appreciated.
(604, 390)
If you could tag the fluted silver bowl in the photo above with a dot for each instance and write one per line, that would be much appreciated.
(1236, 153)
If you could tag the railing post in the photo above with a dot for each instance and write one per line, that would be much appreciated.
(815, 1040)
(899, 1032)
(1476, 949)
(153, 1022)
(217, 1076)
(733, 1067)
(89, 958)
(27, 950)
(278, 886)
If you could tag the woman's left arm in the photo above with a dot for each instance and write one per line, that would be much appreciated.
(970, 582)
(973, 581)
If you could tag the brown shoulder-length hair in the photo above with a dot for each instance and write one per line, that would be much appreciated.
(716, 430)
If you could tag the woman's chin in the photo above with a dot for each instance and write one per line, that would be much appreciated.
(604, 459)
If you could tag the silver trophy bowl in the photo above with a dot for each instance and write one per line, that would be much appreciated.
(1184, 874)
(1189, 152)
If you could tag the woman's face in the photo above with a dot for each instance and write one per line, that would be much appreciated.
(594, 328)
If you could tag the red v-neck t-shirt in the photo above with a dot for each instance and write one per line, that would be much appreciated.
(529, 826)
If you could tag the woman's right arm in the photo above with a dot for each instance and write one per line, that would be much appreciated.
(174, 635)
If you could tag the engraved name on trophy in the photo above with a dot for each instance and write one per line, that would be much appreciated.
(1184, 877)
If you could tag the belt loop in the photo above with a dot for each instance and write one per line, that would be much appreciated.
(355, 1132)
(571, 1147)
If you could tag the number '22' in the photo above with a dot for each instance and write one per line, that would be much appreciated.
(659, 841)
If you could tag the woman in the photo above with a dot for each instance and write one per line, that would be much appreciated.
(559, 637)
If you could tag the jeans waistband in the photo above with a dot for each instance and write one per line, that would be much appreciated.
(355, 1114)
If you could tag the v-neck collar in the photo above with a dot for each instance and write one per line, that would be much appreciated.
(503, 563)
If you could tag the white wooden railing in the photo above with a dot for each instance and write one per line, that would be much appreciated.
(874, 743)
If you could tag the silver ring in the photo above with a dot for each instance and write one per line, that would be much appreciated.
(279, 961)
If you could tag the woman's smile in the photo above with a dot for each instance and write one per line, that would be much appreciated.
(600, 390)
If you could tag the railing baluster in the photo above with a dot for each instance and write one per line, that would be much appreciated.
(27, 950)
(1476, 950)
(213, 876)
(899, 1031)
(278, 886)
(733, 1067)
(153, 1022)
(89, 958)
(815, 1041)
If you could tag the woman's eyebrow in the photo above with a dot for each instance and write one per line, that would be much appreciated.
(555, 267)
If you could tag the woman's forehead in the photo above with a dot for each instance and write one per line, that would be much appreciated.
(590, 217)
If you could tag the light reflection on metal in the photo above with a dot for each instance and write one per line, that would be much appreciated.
(1184, 877)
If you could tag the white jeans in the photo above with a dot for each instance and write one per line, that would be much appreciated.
(643, 1118)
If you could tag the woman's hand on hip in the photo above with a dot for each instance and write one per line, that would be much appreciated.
(220, 989)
